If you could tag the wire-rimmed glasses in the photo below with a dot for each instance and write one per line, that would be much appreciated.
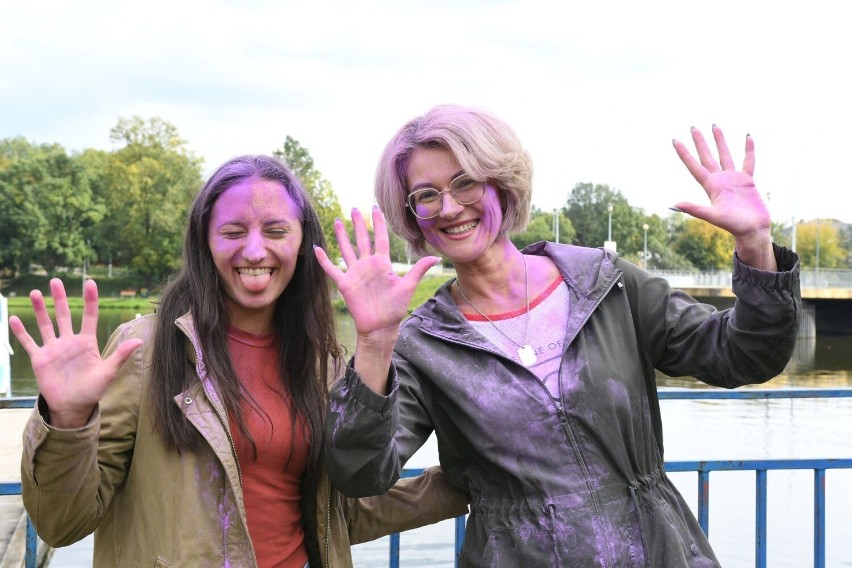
(427, 202)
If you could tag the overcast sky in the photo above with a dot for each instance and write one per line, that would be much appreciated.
(596, 91)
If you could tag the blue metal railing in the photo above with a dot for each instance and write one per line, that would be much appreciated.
(702, 468)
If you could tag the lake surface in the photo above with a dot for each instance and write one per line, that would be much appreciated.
(735, 429)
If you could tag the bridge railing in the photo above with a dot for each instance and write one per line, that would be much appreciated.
(809, 278)
(702, 468)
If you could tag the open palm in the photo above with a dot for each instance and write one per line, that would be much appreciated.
(735, 204)
(376, 297)
(71, 375)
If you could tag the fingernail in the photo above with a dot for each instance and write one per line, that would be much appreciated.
(714, 125)
(692, 128)
(676, 209)
(674, 141)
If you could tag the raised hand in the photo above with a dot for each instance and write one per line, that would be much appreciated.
(68, 368)
(376, 297)
(735, 204)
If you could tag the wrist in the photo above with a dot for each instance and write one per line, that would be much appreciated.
(69, 419)
(756, 250)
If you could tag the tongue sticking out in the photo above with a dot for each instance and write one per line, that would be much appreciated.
(255, 282)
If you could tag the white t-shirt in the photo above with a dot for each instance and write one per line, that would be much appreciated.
(545, 332)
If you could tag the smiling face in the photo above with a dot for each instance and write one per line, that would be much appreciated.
(255, 237)
(462, 233)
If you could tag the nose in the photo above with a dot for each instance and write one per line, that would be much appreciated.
(449, 206)
(254, 249)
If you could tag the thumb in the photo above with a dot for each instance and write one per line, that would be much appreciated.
(121, 354)
(418, 271)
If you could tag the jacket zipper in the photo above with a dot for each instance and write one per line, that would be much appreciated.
(328, 527)
(563, 417)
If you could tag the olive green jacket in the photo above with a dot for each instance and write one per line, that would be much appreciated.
(151, 506)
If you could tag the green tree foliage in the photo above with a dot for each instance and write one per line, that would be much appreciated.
(47, 205)
(325, 200)
(706, 246)
(832, 253)
(541, 228)
(148, 186)
(587, 207)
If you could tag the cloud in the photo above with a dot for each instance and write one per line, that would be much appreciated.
(596, 91)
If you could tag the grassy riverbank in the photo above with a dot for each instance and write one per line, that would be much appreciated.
(17, 293)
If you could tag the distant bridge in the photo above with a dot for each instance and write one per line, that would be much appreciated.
(826, 295)
(825, 284)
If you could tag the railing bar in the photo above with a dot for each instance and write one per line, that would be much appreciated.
(704, 501)
(819, 518)
(760, 519)
(665, 393)
(740, 465)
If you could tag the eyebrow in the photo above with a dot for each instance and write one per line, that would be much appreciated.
(424, 185)
(271, 222)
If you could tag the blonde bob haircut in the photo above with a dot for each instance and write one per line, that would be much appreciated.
(486, 148)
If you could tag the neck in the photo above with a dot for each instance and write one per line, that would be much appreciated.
(494, 285)
(251, 321)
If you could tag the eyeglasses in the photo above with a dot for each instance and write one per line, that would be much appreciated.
(426, 203)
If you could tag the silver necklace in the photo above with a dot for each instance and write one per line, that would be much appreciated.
(525, 350)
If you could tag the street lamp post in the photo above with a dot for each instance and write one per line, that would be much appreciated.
(609, 243)
(645, 248)
(609, 227)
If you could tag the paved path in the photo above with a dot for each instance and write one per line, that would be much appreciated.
(12, 422)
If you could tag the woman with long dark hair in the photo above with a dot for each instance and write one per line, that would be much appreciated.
(196, 439)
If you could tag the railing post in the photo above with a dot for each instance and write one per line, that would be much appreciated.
(819, 518)
(460, 521)
(394, 551)
(31, 557)
(760, 519)
(704, 501)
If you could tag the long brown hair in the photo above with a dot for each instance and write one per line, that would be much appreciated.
(303, 319)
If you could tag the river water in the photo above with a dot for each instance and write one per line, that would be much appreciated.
(733, 429)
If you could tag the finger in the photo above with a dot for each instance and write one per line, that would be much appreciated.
(60, 307)
(362, 235)
(748, 161)
(380, 232)
(24, 338)
(121, 354)
(343, 242)
(418, 271)
(703, 212)
(725, 159)
(325, 263)
(90, 309)
(703, 151)
(698, 171)
(45, 325)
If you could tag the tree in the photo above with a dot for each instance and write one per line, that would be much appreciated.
(149, 185)
(706, 246)
(827, 233)
(46, 204)
(541, 228)
(325, 200)
(588, 208)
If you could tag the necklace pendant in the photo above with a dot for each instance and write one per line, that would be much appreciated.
(527, 355)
